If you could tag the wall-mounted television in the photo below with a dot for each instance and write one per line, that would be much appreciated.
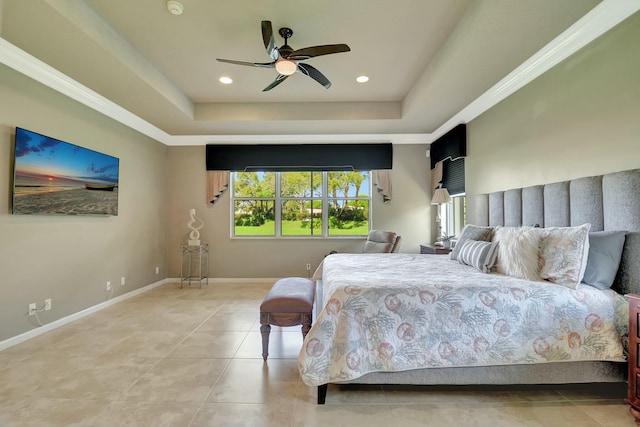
(53, 177)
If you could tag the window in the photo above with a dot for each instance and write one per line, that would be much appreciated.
(454, 215)
(301, 204)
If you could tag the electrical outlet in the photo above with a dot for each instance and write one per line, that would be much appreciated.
(32, 309)
(308, 267)
(122, 281)
(109, 285)
(157, 270)
(47, 304)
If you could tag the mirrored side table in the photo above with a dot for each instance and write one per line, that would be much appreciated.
(194, 265)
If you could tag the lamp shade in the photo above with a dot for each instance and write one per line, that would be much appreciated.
(440, 197)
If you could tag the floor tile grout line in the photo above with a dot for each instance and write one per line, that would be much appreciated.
(206, 397)
(386, 398)
(586, 413)
(222, 373)
(158, 361)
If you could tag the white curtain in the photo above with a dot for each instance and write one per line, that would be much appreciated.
(382, 181)
(217, 183)
(436, 176)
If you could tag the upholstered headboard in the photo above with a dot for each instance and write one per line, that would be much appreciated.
(607, 202)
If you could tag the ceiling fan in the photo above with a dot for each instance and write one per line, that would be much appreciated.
(287, 61)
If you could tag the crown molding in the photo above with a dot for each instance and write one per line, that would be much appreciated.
(16, 58)
(600, 19)
(417, 138)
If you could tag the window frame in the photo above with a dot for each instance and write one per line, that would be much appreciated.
(453, 215)
(278, 200)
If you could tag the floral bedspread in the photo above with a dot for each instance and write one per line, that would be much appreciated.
(394, 312)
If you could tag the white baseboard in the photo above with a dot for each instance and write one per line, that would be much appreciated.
(247, 280)
(68, 319)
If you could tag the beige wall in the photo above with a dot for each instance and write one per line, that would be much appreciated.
(408, 214)
(70, 258)
(579, 119)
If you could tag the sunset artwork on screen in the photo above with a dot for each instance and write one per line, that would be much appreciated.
(53, 177)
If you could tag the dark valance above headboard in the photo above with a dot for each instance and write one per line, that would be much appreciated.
(451, 145)
(607, 202)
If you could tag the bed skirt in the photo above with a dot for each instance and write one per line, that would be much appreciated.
(545, 373)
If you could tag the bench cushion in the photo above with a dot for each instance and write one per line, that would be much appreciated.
(289, 295)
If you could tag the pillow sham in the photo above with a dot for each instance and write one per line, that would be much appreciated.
(563, 254)
(518, 249)
(473, 232)
(478, 254)
(605, 253)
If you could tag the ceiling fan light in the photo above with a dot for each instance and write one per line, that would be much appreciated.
(286, 67)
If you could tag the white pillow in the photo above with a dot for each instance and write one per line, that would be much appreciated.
(518, 249)
(563, 254)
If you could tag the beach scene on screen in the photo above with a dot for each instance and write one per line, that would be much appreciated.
(53, 177)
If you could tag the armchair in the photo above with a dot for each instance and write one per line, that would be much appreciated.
(382, 242)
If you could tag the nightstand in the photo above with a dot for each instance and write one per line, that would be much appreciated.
(633, 394)
(435, 250)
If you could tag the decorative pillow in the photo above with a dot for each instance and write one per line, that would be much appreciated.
(518, 249)
(605, 252)
(473, 232)
(563, 254)
(481, 255)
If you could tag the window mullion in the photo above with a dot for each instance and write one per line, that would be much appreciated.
(278, 207)
(325, 204)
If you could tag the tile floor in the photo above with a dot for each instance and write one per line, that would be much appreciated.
(192, 357)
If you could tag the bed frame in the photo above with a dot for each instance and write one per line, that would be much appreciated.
(607, 202)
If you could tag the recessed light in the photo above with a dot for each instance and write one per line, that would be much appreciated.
(362, 79)
(225, 80)
(175, 7)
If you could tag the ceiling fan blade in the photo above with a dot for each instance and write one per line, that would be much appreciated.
(314, 74)
(269, 40)
(313, 51)
(250, 64)
(276, 82)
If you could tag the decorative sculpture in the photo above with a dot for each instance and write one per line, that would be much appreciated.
(194, 236)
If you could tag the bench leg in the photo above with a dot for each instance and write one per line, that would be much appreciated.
(265, 330)
(305, 319)
(305, 330)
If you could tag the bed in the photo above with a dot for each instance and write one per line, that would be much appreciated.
(431, 320)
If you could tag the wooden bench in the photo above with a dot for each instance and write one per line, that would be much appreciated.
(288, 303)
